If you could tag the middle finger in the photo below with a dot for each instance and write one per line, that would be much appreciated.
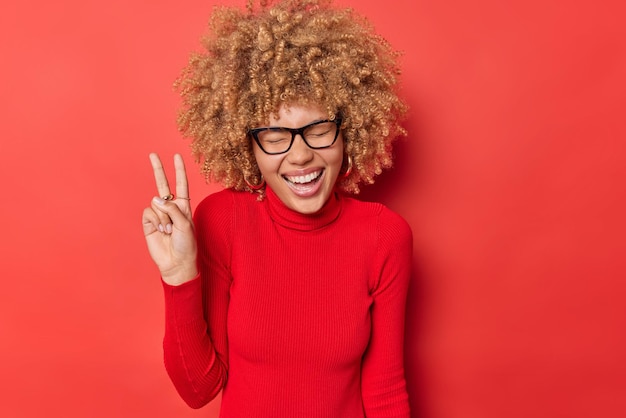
(163, 186)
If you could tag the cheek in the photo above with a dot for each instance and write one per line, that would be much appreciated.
(335, 162)
(267, 164)
(337, 159)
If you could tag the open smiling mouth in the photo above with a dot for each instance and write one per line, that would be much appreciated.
(305, 180)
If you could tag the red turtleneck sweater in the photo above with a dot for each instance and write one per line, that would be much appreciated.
(292, 315)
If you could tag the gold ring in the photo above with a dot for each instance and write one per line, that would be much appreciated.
(168, 197)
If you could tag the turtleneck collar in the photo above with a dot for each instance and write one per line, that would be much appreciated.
(291, 219)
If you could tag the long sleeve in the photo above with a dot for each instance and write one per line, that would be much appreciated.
(383, 383)
(195, 343)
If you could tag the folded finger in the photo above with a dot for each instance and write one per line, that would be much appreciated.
(149, 221)
(164, 223)
(174, 214)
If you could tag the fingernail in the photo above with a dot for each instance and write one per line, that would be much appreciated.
(161, 228)
(168, 228)
(158, 200)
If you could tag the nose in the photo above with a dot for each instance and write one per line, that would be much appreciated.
(300, 153)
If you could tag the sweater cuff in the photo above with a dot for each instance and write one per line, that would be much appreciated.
(183, 303)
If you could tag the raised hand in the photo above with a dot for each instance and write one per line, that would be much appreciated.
(168, 226)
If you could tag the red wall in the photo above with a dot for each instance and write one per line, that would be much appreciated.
(512, 179)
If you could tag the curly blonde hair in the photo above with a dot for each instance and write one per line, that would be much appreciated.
(294, 51)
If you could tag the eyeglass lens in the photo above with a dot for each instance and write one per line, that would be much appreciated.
(278, 140)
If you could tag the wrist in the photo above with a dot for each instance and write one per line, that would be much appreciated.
(180, 275)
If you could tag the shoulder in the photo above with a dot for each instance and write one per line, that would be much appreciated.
(219, 210)
(390, 226)
(222, 202)
(391, 242)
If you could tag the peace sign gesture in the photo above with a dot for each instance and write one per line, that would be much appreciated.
(168, 226)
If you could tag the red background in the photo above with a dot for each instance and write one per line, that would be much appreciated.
(512, 180)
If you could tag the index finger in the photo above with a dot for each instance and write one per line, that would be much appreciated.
(163, 186)
(182, 188)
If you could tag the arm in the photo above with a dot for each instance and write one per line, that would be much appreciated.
(195, 282)
(383, 385)
(195, 343)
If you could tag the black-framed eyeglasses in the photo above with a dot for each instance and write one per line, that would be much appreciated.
(278, 140)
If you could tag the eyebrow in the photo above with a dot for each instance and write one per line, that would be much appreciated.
(313, 121)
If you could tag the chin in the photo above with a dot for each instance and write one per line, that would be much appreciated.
(307, 206)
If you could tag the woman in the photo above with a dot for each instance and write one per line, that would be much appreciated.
(282, 292)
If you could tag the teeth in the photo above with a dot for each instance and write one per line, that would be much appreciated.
(304, 179)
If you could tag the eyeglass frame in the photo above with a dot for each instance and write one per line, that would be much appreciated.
(294, 131)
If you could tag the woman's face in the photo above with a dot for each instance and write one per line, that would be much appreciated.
(303, 178)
